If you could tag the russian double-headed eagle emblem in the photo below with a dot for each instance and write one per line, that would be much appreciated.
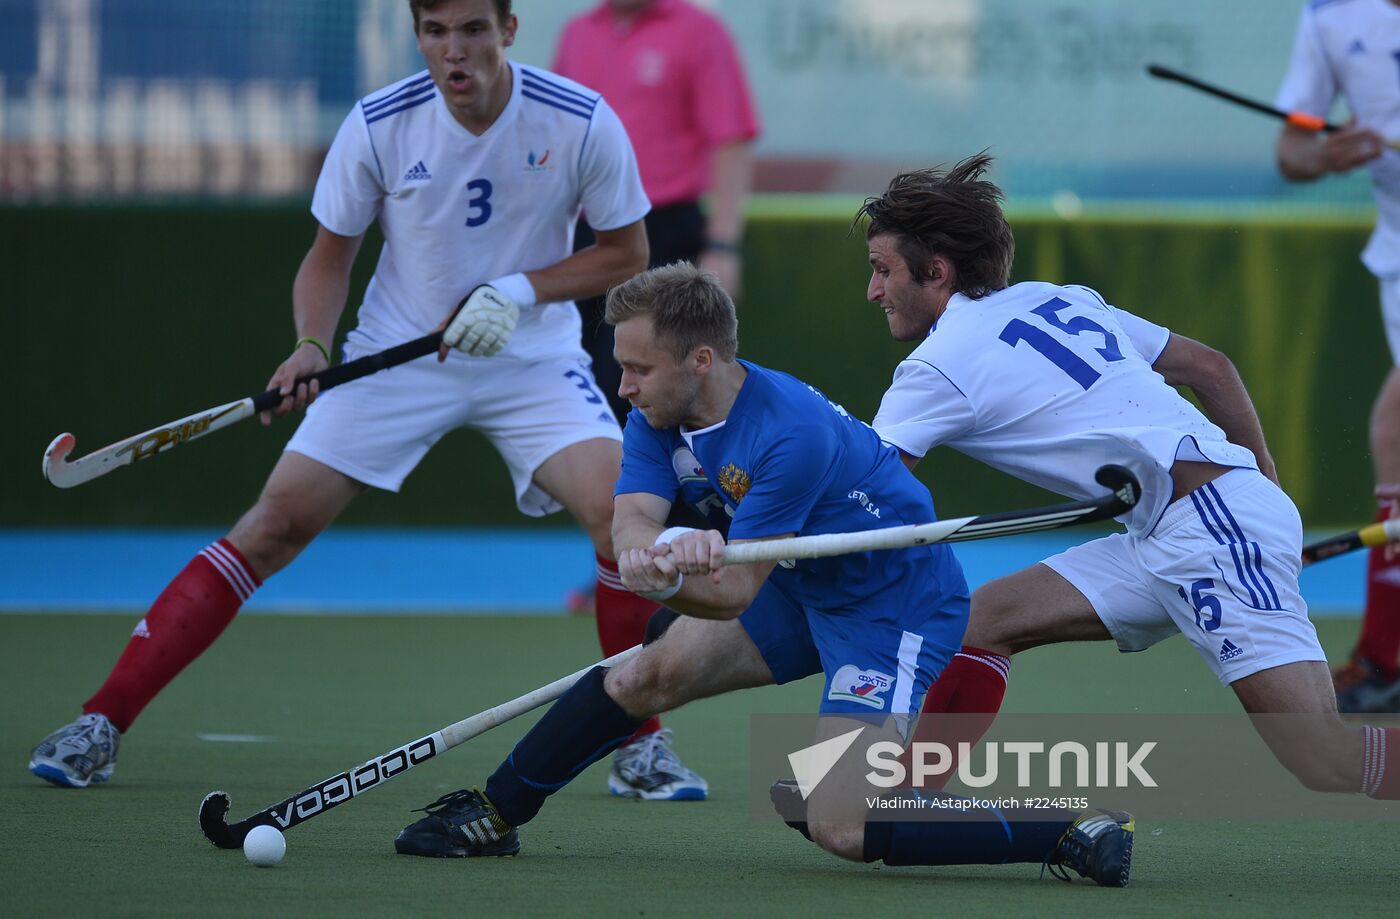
(735, 482)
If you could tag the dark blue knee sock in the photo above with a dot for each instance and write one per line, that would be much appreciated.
(578, 730)
(985, 837)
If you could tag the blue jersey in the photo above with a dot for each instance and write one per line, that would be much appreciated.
(788, 460)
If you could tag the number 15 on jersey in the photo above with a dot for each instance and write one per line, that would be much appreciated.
(1057, 353)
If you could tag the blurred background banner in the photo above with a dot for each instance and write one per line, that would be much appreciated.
(239, 98)
(157, 158)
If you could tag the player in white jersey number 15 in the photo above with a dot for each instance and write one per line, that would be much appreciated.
(1048, 382)
(476, 170)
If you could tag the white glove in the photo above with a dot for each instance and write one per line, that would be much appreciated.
(484, 322)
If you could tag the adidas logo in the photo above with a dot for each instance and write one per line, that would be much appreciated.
(141, 631)
(419, 173)
(1229, 651)
(1356, 47)
(606, 417)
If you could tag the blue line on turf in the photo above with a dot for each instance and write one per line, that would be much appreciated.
(378, 571)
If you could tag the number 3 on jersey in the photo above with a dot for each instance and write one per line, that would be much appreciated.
(1078, 369)
(479, 204)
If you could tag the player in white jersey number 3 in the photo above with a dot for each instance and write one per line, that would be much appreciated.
(1048, 383)
(476, 170)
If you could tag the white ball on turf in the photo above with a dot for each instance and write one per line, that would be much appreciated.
(264, 846)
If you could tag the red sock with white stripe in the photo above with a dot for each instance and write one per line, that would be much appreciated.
(972, 685)
(1380, 770)
(622, 622)
(1380, 622)
(190, 613)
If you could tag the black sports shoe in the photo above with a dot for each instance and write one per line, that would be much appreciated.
(1099, 846)
(788, 802)
(1363, 689)
(462, 824)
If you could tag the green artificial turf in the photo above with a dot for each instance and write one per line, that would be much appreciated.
(334, 691)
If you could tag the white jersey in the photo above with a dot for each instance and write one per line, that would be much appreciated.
(1049, 383)
(1348, 48)
(458, 210)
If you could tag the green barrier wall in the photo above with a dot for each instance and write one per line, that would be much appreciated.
(122, 319)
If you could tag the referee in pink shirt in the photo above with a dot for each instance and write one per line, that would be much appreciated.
(671, 72)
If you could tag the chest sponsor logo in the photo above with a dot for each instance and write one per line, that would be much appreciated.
(419, 173)
(538, 162)
(852, 684)
(734, 482)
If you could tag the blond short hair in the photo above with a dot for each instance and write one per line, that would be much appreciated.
(688, 309)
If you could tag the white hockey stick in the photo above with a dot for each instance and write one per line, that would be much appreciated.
(343, 786)
(65, 474)
(1123, 495)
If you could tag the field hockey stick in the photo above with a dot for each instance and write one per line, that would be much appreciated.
(341, 787)
(65, 474)
(1375, 534)
(1124, 492)
(1297, 119)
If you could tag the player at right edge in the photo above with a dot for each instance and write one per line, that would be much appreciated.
(1049, 382)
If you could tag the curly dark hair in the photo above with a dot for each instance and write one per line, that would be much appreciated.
(954, 213)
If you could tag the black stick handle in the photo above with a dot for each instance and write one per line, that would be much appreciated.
(359, 367)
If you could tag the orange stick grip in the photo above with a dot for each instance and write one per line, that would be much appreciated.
(1305, 121)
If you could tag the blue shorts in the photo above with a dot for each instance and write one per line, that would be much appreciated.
(874, 664)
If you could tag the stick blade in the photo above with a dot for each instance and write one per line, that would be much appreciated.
(57, 471)
(213, 814)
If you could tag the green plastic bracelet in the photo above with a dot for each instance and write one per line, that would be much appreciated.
(307, 339)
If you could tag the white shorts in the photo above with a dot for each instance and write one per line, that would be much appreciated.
(1221, 568)
(1390, 314)
(378, 428)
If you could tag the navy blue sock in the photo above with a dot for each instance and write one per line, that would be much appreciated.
(981, 836)
(582, 727)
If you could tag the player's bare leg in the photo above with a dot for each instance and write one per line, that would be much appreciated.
(694, 659)
(581, 477)
(1030, 608)
(1313, 743)
(836, 815)
(299, 500)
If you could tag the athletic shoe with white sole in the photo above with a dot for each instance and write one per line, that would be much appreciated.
(78, 754)
(461, 824)
(647, 768)
(1098, 846)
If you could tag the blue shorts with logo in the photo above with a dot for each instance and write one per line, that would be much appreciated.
(876, 661)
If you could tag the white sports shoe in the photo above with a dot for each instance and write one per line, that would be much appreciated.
(78, 754)
(647, 768)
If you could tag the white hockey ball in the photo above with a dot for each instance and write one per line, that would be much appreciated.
(264, 846)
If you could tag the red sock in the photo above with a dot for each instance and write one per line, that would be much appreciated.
(622, 622)
(1380, 773)
(973, 683)
(189, 614)
(1380, 624)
